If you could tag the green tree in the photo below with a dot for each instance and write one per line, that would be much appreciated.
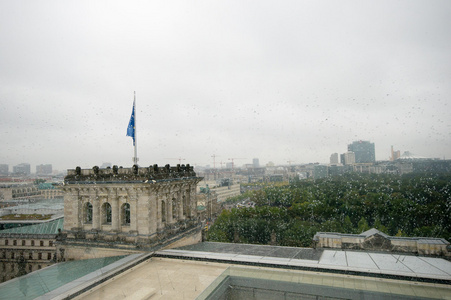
(362, 225)
(347, 225)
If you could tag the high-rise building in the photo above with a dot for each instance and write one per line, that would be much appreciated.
(334, 159)
(256, 163)
(23, 168)
(364, 152)
(44, 169)
(4, 169)
(349, 158)
(395, 154)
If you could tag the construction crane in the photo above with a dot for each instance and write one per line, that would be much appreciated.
(179, 159)
(214, 160)
(233, 159)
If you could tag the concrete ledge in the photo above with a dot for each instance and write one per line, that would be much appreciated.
(300, 264)
(83, 284)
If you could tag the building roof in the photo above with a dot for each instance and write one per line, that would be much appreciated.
(46, 186)
(197, 271)
(374, 231)
(50, 227)
(366, 263)
(50, 204)
(410, 156)
(54, 277)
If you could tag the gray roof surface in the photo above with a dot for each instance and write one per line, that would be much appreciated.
(51, 204)
(259, 250)
(364, 262)
(373, 231)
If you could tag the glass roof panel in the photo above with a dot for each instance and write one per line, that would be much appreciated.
(43, 281)
(50, 227)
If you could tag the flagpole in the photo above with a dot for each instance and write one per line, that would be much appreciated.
(135, 158)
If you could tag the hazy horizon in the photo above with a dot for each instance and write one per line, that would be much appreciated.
(279, 81)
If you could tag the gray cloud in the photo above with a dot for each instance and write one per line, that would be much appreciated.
(279, 81)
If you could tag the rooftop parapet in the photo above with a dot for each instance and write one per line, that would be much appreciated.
(133, 174)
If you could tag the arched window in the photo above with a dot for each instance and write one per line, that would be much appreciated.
(163, 211)
(125, 214)
(106, 213)
(88, 213)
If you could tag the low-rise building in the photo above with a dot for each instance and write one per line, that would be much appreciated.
(28, 248)
(374, 239)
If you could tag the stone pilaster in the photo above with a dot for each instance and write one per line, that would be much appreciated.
(71, 208)
(180, 204)
(115, 213)
(153, 211)
(96, 213)
(142, 213)
(168, 208)
(193, 201)
(133, 200)
(188, 202)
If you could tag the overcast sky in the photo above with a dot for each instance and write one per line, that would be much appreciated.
(276, 80)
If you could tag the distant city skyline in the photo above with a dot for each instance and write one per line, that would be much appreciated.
(218, 162)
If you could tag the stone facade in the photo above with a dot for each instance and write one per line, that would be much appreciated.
(25, 253)
(17, 191)
(208, 206)
(127, 208)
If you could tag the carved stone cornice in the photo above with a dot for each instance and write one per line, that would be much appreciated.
(129, 175)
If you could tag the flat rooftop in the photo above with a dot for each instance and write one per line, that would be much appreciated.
(206, 270)
(53, 207)
(34, 204)
(365, 263)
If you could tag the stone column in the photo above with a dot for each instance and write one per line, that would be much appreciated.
(153, 211)
(71, 203)
(158, 209)
(96, 213)
(180, 204)
(142, 211)
(115, 217)
(79, 212)
(169, 208)
(187, 205)
(193, 201)
(133, 212)
(121, 200)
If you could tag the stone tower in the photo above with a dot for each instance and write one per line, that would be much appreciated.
(127, 209)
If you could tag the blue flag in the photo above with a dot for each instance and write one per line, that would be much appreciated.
(131, 125)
